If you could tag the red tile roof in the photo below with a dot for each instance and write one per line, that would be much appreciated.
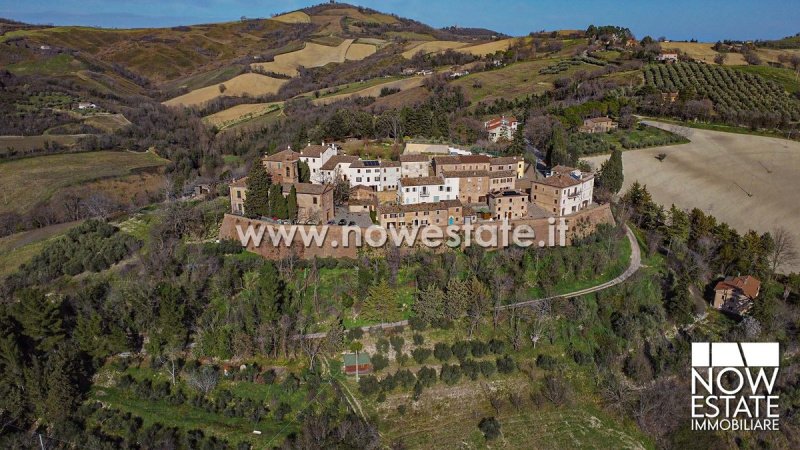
(748, 285)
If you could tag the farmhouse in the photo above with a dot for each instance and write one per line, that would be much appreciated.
(426, 190)
(447, 212)
(501, 128)
(282, 166)
(668, 57)
(736, 294)
(316, 156)
(375, 174)
(669, 97)
(414, 165)
(508, 204)
(597, 125)
(473, 185)
(567, 190)
(86, 105)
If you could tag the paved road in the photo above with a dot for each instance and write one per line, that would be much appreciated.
(635, 264)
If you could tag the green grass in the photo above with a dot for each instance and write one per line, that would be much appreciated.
(513, 81)
(29, 181)
(56, 65)
(188, 417)
(787, 78)
(645, 136)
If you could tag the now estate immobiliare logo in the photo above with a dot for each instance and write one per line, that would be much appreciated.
(733, 385)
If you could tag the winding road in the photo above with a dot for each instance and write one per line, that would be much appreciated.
(634, 265)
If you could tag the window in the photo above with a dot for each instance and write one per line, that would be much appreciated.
(315, 200)
(238, 194)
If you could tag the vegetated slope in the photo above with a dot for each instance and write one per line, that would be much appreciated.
(238, 113)
(163, 54)
(732, 92)
(251, 84)
(54, 172)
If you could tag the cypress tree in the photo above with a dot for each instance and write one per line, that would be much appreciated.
(277, 203)
(611, 176)
(518, 143)
(291, 204)
(40, 319)
(558, 147)
(256, 204)
(303, 172)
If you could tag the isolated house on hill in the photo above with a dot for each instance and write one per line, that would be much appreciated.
(668, 57)
(597, 125)
(736, 294)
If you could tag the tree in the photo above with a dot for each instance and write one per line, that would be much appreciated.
(303, 172)
(291, 204)
(40, 318)
(558, 154)
(517, 146)
(610, 176)
(381, 303)
(429, 305)
(784, 250)
(256, 204)
(222, 88)
(720, 58)
(277, 202)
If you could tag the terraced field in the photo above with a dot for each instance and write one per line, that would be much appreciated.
(430, 47)
(240, 113)
(372, 91)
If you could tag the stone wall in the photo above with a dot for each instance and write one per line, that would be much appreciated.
(580, 224)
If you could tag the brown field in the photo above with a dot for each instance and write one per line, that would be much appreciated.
(372, 41)
(359, 16)
(251, 84)
(293, 17)
(238, 113)
(430, 47)
(702, 51)
(372, 91)
(312, 55)
(53, 173)
(107, 122)
(25, 143)
(357, 52)
(748, 181)
(488, 48)
(403, 98)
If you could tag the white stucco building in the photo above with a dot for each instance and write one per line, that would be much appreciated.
(316, 156)
(416, 190)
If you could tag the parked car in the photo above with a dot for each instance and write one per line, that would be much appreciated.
(342, 222)
(352, 223)
(331, 222)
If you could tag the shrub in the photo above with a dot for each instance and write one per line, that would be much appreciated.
(417, 324)
(442, 352)
(471, 369)
(355, 334)
(368, 385)
(497, 346)
(397, 343)
(450, 374)
(546, 362)
(420, 354)
(419, 339)
(487, 368)
(478, 348)
(382, 345)
(380, 362)
(490, 428)
(461, 350)
(427, 376)
(506, 364)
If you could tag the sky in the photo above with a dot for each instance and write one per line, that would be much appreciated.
(705, 20)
